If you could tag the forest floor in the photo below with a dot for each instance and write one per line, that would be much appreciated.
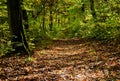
(65, 60)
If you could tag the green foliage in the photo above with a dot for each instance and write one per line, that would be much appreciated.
(5, 42)
(68, 21)
(29, 59)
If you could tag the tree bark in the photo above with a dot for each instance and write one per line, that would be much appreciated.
(15, 23)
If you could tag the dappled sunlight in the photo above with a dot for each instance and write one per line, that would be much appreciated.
(59, 40)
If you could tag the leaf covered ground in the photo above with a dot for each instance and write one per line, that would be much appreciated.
(65, 60)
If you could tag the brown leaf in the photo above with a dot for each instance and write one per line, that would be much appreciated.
(114, 63)
(84, 80)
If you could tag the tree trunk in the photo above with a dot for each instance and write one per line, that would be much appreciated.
(43, 20)
(92, 7)
(51, 18)
(83, 12)
(15, 22)
(25, 19)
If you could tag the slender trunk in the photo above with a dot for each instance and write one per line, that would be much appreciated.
(83, 12)
(25, 19)
(43, 19)
(92, 7)
(51, 19)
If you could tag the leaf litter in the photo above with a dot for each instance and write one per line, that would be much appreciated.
(65, 60)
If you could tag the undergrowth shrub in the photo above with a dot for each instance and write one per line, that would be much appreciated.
(103, 31)
(5, 42)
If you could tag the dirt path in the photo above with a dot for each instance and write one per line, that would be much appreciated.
(65, 60)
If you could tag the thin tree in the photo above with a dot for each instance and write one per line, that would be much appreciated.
(51, 15)
(92, 7)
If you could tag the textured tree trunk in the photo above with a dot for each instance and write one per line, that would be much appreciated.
(15, 22)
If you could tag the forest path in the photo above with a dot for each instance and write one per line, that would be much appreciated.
(65, 60)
